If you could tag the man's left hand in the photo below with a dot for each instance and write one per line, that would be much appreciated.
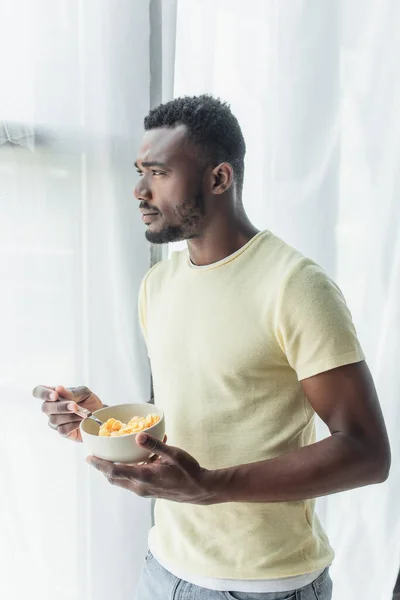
(173, 475)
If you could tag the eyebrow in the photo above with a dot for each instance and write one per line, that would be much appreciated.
(152, 163)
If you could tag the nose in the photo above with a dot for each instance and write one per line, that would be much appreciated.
(142, 190)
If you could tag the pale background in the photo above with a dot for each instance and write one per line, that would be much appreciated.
(315, 86)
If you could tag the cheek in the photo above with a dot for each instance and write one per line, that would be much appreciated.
(168, 196)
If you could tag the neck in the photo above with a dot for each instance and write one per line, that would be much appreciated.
(222, 237)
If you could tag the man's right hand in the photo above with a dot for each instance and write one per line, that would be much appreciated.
(58, 405)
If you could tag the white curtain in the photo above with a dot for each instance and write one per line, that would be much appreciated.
(74, 87)
(315, 86)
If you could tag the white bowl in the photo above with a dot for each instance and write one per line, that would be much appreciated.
(122, 449)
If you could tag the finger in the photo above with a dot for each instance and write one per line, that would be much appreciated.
(155, 457)
(120, 471)
(133, 486)
(144, 440)
(152, 459)
(67, 429)
(64, 419)
(122, 483)
(64, 429)
(81, 393)
(43, 392)
(57, 408)
(104, 466)
(76, 394)
(65, 393)
(75, 436)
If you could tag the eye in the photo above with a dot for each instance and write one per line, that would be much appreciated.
(153, 172)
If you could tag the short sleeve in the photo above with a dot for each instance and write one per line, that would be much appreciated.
(313, 324)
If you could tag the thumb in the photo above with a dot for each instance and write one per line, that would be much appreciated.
(144, 440)
(76, 394)
(64, 393)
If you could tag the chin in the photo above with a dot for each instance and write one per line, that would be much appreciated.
(154, 239)
(167, 235)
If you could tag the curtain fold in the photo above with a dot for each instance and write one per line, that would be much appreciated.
(75, 78)
(314, 84)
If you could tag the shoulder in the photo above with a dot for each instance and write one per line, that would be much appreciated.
(289, 263)
(165, 270)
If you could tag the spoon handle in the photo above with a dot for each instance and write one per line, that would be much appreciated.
(86, 414)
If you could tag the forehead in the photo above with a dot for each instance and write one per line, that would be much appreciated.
(164, 144)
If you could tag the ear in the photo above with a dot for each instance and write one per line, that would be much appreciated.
(222, 178)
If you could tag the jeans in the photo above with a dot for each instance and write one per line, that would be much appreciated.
(158, 584)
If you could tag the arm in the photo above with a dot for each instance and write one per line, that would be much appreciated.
(357, 452)
(315, 331)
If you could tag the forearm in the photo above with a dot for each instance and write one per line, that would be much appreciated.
(332, 465)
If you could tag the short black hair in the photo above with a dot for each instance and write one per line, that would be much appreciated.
(211, 126)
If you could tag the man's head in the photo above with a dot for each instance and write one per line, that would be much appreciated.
(191, 165)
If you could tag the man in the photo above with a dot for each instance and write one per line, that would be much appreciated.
(247, 341)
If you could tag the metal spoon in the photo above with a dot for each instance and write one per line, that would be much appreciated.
(86, 414)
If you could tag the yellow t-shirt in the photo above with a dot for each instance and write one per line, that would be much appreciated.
(228, 344)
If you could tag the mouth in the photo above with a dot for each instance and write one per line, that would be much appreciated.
(149, 217)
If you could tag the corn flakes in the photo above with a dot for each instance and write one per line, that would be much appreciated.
(115, 428)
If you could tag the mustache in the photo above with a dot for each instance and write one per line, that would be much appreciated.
(146, 206)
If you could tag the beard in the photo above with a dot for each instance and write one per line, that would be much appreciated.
(189, 217)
